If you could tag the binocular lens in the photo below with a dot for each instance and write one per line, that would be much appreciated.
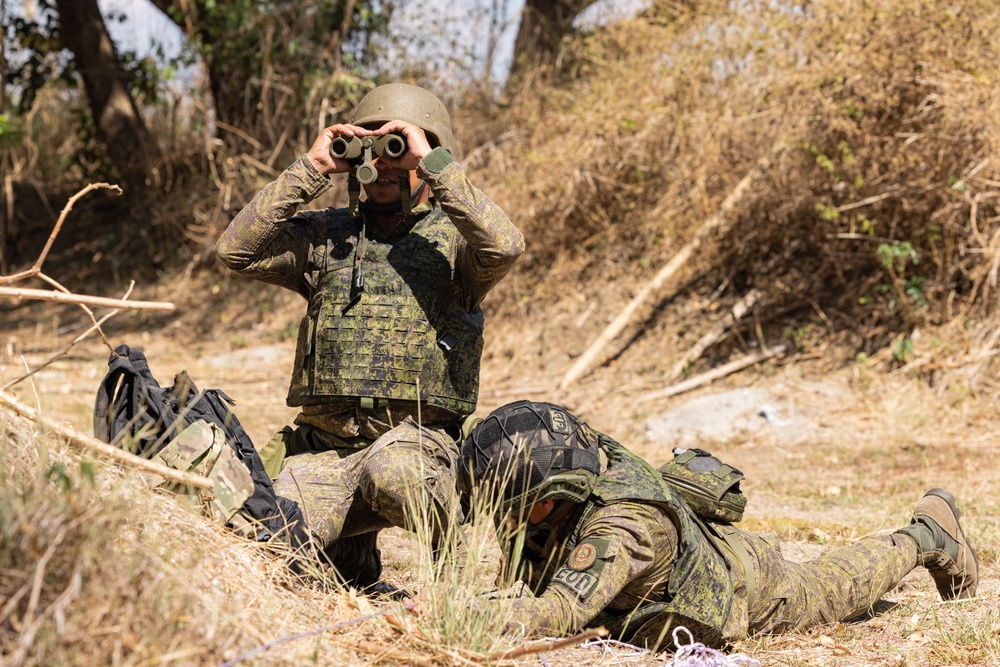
(342, 148)
(366, 173)
(391, 146)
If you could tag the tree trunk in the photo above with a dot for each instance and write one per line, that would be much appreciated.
(543, 25)
(119, 125)
(235, 63)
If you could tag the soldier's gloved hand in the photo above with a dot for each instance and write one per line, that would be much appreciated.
(319, 154)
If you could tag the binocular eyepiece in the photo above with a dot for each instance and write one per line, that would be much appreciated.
(388, 145)
(360, 150)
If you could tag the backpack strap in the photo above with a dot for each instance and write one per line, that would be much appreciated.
(123, 388)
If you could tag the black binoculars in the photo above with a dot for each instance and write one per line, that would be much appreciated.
(360, 151)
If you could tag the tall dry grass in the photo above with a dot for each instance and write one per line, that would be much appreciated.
(98, 569)
(878, 214)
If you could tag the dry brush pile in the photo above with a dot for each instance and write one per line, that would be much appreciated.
(876, 129)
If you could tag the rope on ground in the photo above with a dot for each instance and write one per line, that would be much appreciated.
(696, 654)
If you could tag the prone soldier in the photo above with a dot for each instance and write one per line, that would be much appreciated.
(605, 541)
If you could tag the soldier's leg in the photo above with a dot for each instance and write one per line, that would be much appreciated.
(838, 585)
(356, 559)
(324, 484)
(293, 440)
(408, 478)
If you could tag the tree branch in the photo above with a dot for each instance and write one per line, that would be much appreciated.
(47, 295)
(104, 449)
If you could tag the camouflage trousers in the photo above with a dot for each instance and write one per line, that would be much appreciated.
(405, 478)
(840, 584)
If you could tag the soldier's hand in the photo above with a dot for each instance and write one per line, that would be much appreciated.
(319, 154)
(416, 605)
(417, 144)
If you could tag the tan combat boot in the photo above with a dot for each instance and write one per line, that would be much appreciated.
(942, 546)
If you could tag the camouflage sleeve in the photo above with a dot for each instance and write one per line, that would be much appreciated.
(616, 546)
(490, 243)
(266, 241)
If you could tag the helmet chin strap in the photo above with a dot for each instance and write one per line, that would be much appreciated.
(405, 203)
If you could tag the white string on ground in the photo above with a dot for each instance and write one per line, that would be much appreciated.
(606, 645)
(696, 654)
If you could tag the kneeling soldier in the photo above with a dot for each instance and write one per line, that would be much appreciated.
(603, 540)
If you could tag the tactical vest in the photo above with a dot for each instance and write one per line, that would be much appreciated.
(700, 587)
(407, 329)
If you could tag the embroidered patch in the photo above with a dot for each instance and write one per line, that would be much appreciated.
(559, 421)
(582, 557)
(581, 583)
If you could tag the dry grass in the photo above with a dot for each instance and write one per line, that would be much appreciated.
(97, 569)
(887, 125)
(878, 216)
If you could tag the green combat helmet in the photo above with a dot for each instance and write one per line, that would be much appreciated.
(527, 452)
(412, 104)
(409, 103)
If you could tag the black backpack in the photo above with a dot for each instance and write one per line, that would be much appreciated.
(132, 406)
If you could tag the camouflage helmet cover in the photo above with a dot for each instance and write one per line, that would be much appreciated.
(531, 451)
(406, 102)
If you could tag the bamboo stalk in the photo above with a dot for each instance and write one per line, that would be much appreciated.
(713, 223)
(734, 315)
(714, 374)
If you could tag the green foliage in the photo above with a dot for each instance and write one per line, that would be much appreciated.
(801, 336)
(903, 350)
(8, 135)
(827, 213)
(896, 255)
(38, 56)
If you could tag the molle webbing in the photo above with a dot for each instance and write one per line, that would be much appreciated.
(397, 328)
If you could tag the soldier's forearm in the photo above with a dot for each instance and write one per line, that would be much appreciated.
(253, 228)
(552, 615)
(483, 224)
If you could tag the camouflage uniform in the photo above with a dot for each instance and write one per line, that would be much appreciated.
(622, 560)
(359, 362)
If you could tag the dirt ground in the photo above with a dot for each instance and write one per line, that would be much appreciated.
(830, 455)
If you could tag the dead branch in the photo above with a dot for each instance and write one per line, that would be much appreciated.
(729, 319)
(629, 313)
(544, 647)
(36, 268)
(104, 449)
(88, 311)
(714, 374)
(100, 301)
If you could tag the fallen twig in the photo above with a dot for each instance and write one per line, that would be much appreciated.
(545, 647)
(36, 268)
(95, 445)
(714, 374)
(713, 223)
(96, 326)
(81, 299)
(729, 319)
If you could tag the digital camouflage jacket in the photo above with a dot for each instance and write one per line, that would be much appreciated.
(635, 556)
(418, 315)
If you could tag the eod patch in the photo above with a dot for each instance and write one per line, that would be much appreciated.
(582, 570)
(581, 583)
